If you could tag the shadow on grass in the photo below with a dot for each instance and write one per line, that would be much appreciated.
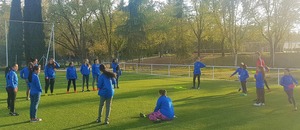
(13, 124)
(84, 126)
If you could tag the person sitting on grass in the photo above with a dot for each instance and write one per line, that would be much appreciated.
(288, 82)
(243, 76)
(164, 109)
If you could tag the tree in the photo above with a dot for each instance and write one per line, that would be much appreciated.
(276, 18)
(15, 34)
(33, 30)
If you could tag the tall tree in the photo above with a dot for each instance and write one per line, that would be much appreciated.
(33, 29)
(15, 34)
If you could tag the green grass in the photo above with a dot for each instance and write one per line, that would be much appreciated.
(216, 106)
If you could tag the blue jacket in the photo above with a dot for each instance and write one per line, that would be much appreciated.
(71, 73)
(24, 73)
(197, 67)
(85, 69)
(50, 70)
(105, 85)
(165, 106)
(243, 74)
(287, 81)
(12, 79)
(95, 70)
(35, 85)
(114, 66)
(259, 80)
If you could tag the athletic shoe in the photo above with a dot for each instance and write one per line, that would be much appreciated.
(28, 98)
(106, 123)
(82, 91)
(88, 90)
(296, 108)
(243, 94)
(14, 114)
(257, 104)
(35, 120)
(157, 121)
(118, 87)
(68, 92)
(198, 88)
(98, 120)
(263, 104)
(142, 115)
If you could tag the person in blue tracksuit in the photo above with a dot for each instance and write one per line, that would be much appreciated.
(197, 72)
(24, 73)
(12, 89)
(50, 71)
(243, 76)
(106, 92)
(95, 72)
(289, 82)
(35, 93)
(85, 70)
(260, 91)
(116, 69)
(71, 75)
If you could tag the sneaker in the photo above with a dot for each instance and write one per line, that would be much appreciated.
(35, 120)
(28, 98)
(118, 87)
(142, 115)
(82, 90)
(106, 123)
(263, 104)
(243, 94)
(157, 121)
(257, 104)
(296, 108)
(68, 92)
(198, 88)
(14, 114)
(98, 120)
(88, 90)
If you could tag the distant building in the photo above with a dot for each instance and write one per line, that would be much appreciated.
(291, 47)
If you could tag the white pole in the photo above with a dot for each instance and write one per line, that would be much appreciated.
(278, 77)
(189, 71)
(6, 44)
(53, 42)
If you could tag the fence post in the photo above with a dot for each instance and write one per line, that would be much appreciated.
(169, 69)
(151, 69)
(137, 68)
(189, 71)
(278, 76)
(213, 73)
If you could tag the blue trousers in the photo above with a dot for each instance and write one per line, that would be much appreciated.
(34, 104)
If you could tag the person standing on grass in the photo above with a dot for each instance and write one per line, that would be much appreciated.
(243, 76)
(12, 89)
(24, 73)
(164, 109)
(106, 92)
(197, 72)
(116, 69)
(50, 71)
(261, 62)
(85, 71)
(35, 93)
(95, 72)
(289, 82)
(260, 92)
(71, 75)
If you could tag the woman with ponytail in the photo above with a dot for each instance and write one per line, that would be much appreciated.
(106, 91)
(35, 93)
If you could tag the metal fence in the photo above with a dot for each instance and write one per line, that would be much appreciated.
(210, 72)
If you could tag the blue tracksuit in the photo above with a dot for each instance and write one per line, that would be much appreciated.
(165, 106)
(95, 70)
(85, 69)
(287, 81)
(114, 66)
(12, 79)
(105, 85)
(24, 73)
(71, 73)
(197, 67)
(259, 80)
(50, 70)
(243, 74)
(35, 85)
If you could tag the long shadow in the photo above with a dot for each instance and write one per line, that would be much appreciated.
(13, 124)
(83, 126)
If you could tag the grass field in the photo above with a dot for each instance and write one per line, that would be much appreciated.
(216, 106)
